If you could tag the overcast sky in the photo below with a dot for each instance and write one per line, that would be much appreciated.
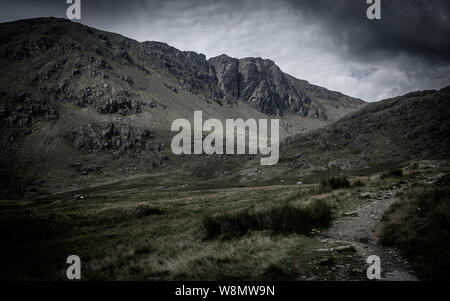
(330, 43)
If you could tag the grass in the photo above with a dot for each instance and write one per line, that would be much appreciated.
(284, 219)
(145, 210)
(419, 226)
(392, 174)
(336, 183)
(137, 232)
(152, 229)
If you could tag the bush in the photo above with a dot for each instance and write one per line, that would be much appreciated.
(336, 183)
(392, 174)
(144, 210)
(283, 219)
(358, 183)
(287, 219)
(230, 225)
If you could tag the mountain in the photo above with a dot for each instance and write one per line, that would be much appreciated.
(82, 106)
(379, 136)
(262, 84)
(413, 126)
(66, 61)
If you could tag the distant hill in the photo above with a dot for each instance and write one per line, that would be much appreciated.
(388, 132)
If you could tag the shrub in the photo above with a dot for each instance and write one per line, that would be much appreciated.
(145, 210)
(358, 183)
(283, 219)
(392, 174)
(336, 183)
(320, 213)
(287, 219)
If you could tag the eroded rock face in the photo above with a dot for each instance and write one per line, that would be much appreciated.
(119, 103)
(110, 136)
(227, 74)
(191, 69)
(262, 84)
(24, 49)
(104, 101)
(22, 110)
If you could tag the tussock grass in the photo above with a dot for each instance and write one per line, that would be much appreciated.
(145, 210)
(335, 183)
(419, 226)
(394, 173)
(358, 183)
(284, 219)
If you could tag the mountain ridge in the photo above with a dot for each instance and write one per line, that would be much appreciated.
(80, 106)
(263, 84)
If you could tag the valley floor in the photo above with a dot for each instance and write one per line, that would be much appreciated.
(153, 229)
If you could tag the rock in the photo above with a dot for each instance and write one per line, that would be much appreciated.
(263, 85)
(170, 87)
(23, 110)
(324, 250)
(348, 248)
(353, 213)
(119, 103)
(326, 261)
(365, 195)
(105, 136)
(363, 239)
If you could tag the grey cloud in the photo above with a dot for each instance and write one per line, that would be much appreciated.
(414, 27)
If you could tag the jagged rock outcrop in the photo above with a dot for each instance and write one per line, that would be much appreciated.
(262, 84)
(118, 103)
(191, 69)
(110, 136)
(104, 101)
(226, 69)
(22, 110)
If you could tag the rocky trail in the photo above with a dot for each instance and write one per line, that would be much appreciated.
(359, 231)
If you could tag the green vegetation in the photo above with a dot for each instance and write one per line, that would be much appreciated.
(419, 226)
(173, 227)
(336, 183)
(285, 219)
(358, 183)
(392, 174)
(135, 230)
(145, 210)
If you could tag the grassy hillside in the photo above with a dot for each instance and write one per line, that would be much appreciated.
(380, 136)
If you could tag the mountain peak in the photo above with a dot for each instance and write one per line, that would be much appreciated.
(261, 83)
(255, 81)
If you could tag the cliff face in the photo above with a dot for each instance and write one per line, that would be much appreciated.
(262, 84)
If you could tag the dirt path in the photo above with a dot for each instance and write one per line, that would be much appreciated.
(359, 231)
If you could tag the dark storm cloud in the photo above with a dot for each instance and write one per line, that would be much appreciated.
(413, 27)
(327, 42)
